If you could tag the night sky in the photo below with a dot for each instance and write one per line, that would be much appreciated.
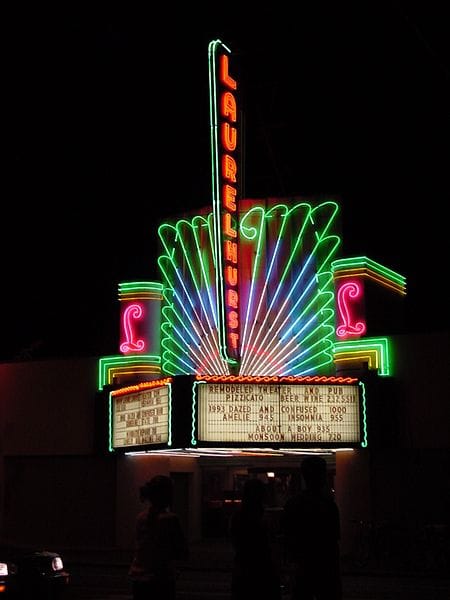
(107, 124)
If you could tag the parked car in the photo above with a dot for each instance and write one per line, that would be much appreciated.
(31, 573)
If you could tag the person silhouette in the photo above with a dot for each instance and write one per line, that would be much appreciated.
(255, 572)
(311, 529)
(160, 542)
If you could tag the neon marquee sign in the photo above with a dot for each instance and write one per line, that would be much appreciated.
(225, 152)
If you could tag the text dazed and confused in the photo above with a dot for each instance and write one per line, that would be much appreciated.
(278, 413)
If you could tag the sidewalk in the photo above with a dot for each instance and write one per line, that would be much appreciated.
(216, 554)
(207, 575)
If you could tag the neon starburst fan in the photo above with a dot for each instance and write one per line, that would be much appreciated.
(286, 304)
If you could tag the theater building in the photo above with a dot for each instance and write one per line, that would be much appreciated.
(259, 343)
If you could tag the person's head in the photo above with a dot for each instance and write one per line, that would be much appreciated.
(158, 491)
(254, 492)
(314, 471)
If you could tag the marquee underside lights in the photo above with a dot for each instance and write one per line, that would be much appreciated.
(199, 452)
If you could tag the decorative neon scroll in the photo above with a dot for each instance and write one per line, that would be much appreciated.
(350, 326)
(133, 312)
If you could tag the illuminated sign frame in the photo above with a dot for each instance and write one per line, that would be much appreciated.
(325, 412)
(140, 416)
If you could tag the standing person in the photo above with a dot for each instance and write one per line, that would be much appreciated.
(160, 542)
(254, 573)
(311, 527)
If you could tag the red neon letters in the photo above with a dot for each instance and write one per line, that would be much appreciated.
(229, 177)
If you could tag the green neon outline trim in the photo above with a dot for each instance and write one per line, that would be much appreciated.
(110, 446)
(192, 226)
(202, 343)
(295, 330)
(364, 413)
(189, 312)
(252, 364)
(140, 286)
(194, 440)
(358, 262)
(107, 362)
(169, 441)
(380, 345)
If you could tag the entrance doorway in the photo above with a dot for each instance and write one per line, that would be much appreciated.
(222, 486)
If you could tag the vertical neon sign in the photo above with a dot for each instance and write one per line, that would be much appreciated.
(225, 152)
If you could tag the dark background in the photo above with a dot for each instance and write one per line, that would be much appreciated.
(107, 134)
